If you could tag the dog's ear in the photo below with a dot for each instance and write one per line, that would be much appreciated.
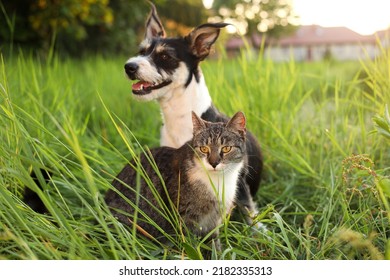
(203, 37)
(154, 27)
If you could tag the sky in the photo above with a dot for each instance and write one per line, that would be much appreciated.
(362, 16)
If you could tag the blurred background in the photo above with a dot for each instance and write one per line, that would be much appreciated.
(308, 30)
(322, 119)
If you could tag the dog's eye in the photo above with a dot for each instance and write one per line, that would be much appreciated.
(142, 52)
(164, 56)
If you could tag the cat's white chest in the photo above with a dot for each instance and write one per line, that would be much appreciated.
(223, 184)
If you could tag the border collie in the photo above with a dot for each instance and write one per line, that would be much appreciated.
(167, 70)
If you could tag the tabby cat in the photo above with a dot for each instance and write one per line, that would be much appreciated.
(199, 180)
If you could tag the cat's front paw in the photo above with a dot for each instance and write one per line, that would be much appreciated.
(259, 226)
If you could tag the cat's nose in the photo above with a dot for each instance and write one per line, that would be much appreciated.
(214, 159)
(214, 164)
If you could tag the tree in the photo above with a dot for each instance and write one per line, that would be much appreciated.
(273, 17)
(38, 23)
(181, 15)
(68, 18)
(76, 27)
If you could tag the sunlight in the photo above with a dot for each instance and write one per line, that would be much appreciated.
(207, 3)
(361, 16)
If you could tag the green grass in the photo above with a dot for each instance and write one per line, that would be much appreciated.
(325, 194)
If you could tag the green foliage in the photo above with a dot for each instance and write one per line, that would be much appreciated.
(383, 124)
(77, 27)
(188, 13)
(325, 188)
(69, 17)
(44, 21)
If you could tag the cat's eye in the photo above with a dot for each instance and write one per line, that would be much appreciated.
(204, 149)
(226, 149)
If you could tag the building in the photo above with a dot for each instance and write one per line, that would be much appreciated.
(314, 42)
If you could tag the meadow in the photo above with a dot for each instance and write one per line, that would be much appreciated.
(322, 127)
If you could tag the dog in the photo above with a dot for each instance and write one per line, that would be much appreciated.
(168, 71)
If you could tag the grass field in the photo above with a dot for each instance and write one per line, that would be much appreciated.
(325, 193)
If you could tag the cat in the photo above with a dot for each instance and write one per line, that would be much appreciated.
(200, 179)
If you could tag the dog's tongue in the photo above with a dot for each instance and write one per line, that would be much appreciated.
(141, 85)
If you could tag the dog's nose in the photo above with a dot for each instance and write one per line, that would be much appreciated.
(131, 67)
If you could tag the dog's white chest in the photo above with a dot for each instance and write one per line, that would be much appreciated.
(176, 112)
(177, 127)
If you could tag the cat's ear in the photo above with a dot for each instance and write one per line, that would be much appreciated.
(154, 27)
(203, 37)
(238, 122)
(197, 123)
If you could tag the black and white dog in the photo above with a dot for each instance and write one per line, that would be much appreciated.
(167, 70)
